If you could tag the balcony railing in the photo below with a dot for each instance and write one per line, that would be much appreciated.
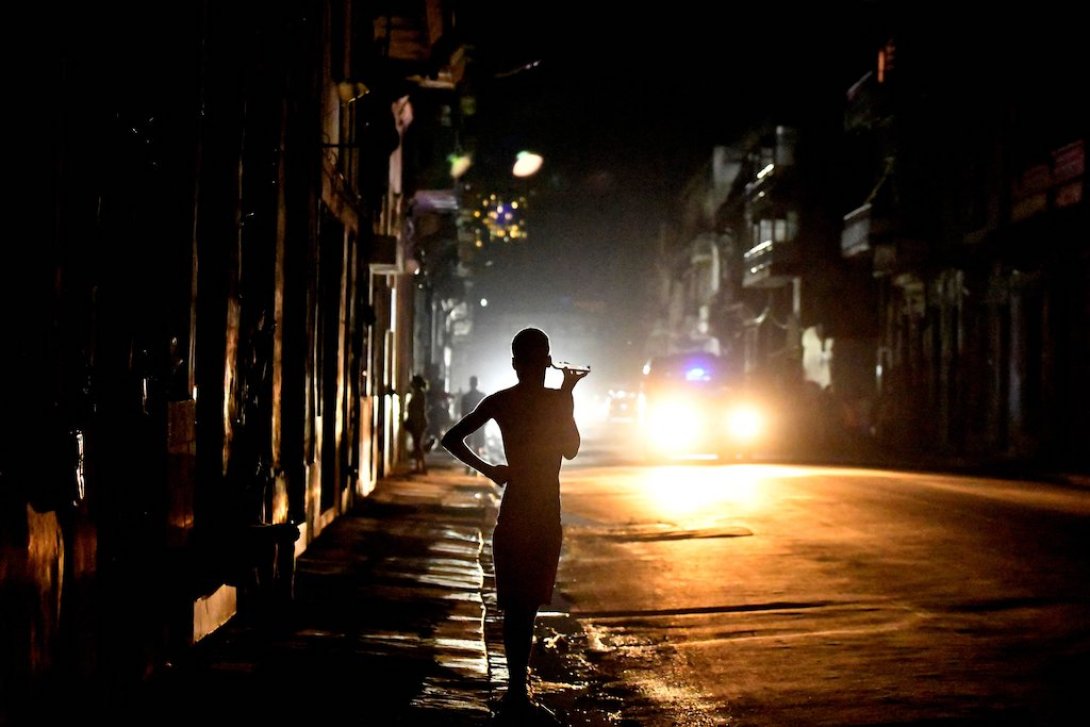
(855, 238)
(769, 264)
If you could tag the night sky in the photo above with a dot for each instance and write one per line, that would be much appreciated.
(626, 107)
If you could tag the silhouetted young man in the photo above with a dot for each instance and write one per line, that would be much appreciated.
(538, 429)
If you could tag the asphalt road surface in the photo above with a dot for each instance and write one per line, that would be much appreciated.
(763, 594)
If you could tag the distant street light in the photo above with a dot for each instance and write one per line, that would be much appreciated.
(526, 164)
(459, 164)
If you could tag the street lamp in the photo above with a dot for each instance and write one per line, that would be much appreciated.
(526, 164)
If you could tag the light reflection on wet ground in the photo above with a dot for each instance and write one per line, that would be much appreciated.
(443, 580)
(647, 679)
(565, 677)
(686, 495)
(663, 531)
(460, 654)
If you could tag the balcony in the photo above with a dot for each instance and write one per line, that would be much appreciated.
(864, 229)
(770, 264)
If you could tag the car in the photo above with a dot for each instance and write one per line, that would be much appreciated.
(621, 405)
(698, 405)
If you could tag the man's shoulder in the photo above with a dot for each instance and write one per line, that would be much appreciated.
(502, 394)
(542, 399)
(501, 398)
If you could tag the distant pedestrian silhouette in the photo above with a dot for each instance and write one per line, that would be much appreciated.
(476, 441)
(439, 416)
(416, 421)
(538, 429)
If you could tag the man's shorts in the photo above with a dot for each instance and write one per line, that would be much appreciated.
(526, 555)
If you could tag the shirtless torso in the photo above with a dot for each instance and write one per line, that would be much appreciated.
(535, 424)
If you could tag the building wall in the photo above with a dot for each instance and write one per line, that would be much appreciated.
(979, 234)
(210, 348)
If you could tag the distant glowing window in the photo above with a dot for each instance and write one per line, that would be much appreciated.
(765, 231)
(885, 60)
(784, 229)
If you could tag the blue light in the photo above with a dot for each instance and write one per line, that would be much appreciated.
(696, 373)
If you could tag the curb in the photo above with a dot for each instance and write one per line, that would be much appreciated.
(476, 499)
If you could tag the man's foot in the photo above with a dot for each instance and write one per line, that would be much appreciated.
(516, 697)
(514, 704)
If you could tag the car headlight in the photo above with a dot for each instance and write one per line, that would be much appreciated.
(745, 423)
(673, 424)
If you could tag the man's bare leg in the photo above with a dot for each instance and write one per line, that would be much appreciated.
(518, 640)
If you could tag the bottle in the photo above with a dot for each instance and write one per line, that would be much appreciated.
(568, 366)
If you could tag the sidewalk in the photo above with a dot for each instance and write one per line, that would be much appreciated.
(393, 622)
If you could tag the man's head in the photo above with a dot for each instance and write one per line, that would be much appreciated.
(530, 353)
(473, 382)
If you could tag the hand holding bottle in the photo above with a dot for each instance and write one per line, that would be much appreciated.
(573, 374)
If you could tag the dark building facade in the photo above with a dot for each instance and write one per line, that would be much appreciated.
(925, 265)
(968, 153)
(211, 325)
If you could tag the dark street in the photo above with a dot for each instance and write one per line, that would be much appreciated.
(701, 594)
(444, 362)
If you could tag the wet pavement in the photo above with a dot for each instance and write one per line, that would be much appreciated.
(392, 622)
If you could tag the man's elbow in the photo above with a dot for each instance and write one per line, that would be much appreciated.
(449, 439)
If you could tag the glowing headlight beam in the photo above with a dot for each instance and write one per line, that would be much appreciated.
(745, 423)
(673, 425)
